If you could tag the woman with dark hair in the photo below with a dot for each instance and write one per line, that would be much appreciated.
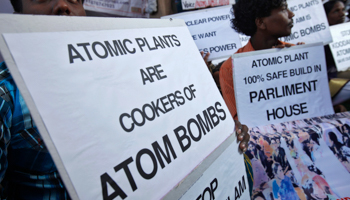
(335, 11)
(336, 146)
(345, 130)
(265, 21)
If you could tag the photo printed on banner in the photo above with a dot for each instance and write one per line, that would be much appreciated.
(302, 159)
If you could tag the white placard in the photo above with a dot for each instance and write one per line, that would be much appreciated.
(211, 31)
(224, 179)
(195, 4)
(340, 46)
(117, 121)
(244, 39)
(310, 22)
(127, 8)
(278, 85)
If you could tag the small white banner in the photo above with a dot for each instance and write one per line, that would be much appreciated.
(125, 114)
(211, 31)
(195, 4)
(310, 22)
(127, 8)
(340, 46)
(278, 85)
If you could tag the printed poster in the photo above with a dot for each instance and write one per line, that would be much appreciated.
(120, 114)
(125, 8)
(302, 159)
(278, 85)
(196, 4)
(340, 46)
(310, 22)
(211, 31)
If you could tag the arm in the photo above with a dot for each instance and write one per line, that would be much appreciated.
(226, 84)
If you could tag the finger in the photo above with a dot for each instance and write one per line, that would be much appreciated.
(244, 143)
(243, 133)
(243, 146)
(206, 56)
(202, 53)
(238, 127)
(280, 46)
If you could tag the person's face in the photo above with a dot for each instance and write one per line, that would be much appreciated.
(337, 14)
(53, 7)
(274, 144)
(280, 174)
(280, 22)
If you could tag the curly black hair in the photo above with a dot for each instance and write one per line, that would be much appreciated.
(246, 11)
(17, 5)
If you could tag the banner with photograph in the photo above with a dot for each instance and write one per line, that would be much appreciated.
(125, 8)
(121, 108)
(211, 31)
(302, 159)
(278, 85)
(340, 46)
(195, 4)
(310, 22)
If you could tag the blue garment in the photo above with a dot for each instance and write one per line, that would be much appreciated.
(27, 170)
(285, 190)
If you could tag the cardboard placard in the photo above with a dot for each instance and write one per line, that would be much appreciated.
(278, 85)
(211, 31)
(119, 111)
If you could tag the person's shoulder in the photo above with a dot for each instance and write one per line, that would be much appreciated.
(227, 64)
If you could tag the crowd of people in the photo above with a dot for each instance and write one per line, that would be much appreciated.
(293, 153)
(27, 170)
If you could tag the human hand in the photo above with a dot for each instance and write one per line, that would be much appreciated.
(281, 46)
(205, 58)
(242, 135)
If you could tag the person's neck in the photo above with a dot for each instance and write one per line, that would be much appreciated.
(261, 42)
(278, 181)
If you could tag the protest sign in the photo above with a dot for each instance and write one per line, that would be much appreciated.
(212, 179)
(211, 31)
(195, 4)
(278, 85)
(244, 39)
(310, 22)
(124, 113)
(126, 8)
(340, 46)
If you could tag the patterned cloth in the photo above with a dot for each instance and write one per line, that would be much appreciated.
(27, 170)
(226, 80)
